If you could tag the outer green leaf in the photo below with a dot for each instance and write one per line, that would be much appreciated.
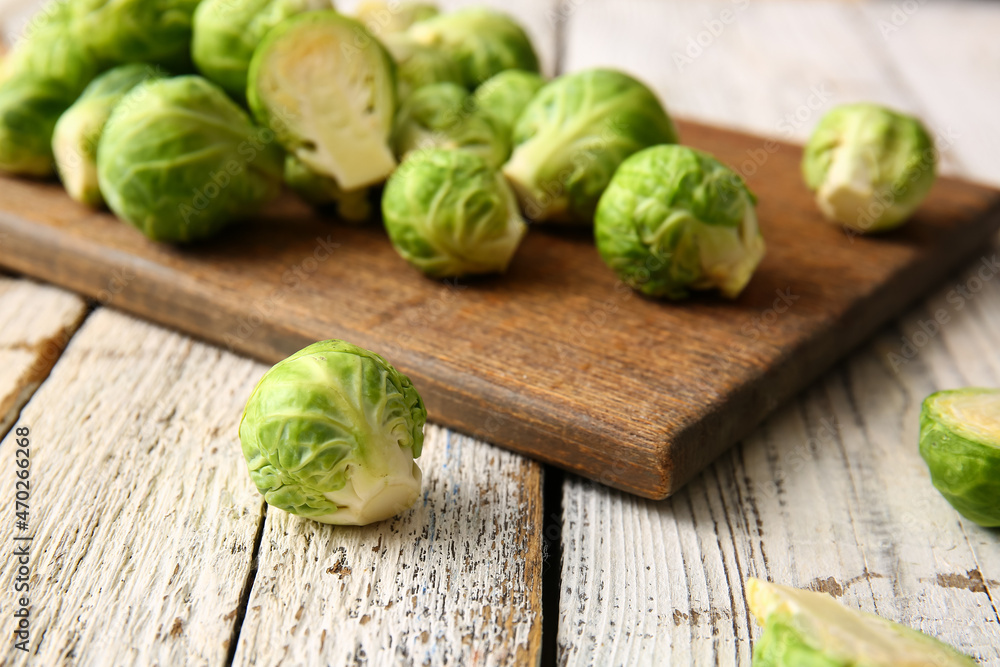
(674, 219)
(418, 65)
(572, 136)
(506, 95)
(331, 433)
(960, 441)
(179, 160)
(448, 213)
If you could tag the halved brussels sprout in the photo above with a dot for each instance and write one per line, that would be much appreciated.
(960, 441)
(445, 115)
(76, 136)
(506, 95)
(388, 17)
(869, 167)
(319, 190)
(807, 629)
(179, 160)
(448, 213)
(675, 219)
(418, 65)
(226, 32)
(327, 88)
(129, 31)
(482, 41)
(331, 432)
(572, 136)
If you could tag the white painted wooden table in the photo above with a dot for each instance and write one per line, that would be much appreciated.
(152, 547)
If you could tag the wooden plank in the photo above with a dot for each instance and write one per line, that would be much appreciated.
(143, 515)
(830, 493)
(36, 323)
(455, 581)
(523, 360)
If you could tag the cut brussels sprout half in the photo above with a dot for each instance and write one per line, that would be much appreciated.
(807, 629)
(483, 42)
(448, 213)
(418, 65)
(572, 136)
(445, 115)
(675, 219)
(870, 167)
(960, 441)
(506, 95)
(226, 33)
(389, 17)
(331, 433)
(327, 88)
(319, 190)
(179, 160)
(76, 136)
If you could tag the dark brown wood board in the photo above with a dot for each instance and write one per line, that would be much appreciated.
(556, 359)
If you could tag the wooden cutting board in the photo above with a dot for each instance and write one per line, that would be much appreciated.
(556, 360)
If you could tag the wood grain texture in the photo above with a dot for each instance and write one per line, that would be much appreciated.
(36, 323)
(142, 512)
(830, 493)
(553, 358)
(457, 580)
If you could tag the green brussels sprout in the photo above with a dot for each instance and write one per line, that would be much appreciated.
(675, 219)
(808, 629)
(226, 33)
(418, 65)
(128, 31)
(41, 78)
(76, 136)
(482, 41)
(448, 213)
(507, 94)
(960, 441)
(445, 115)
(572, 136)
(318, 190)
(331, 432)
(388, 17)
(869, 167)
(328, 89)
(179, 160)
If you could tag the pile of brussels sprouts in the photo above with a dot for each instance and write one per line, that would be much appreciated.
(183, 116)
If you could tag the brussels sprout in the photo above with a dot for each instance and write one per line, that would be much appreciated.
(482, 41)
(960, 441)
(129, 31)
(388, 17)
(74, 142)
(179, 160)
(572, 136)
(42, 77)
(331, 432)
(445, 115)
(226, 32)
(807, 629)
(507, 94)
(675, 219)
(418, 65)
(869, 167)
(328, 89)
(317, 190)
(448, 213)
